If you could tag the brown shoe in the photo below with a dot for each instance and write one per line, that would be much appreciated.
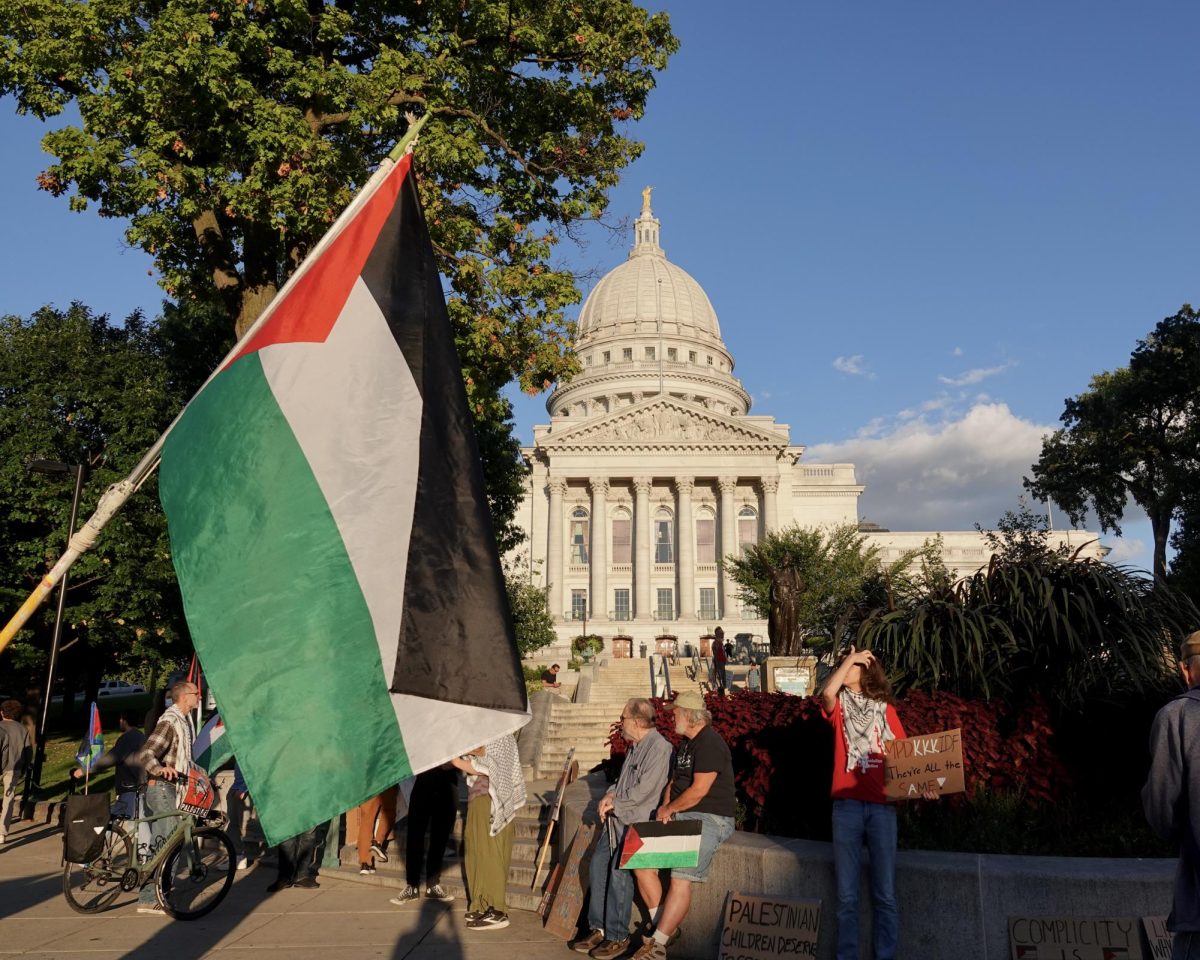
(589, 943)
(610, 950)
(651, 950)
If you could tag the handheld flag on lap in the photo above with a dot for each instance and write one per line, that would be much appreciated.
(92, 744)
(330, 531)
(658, 845)
(210, 749)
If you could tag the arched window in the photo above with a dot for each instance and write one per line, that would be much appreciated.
(706, 536)
(747, 521)
(579, 535)
(622, 540)
(664, 536)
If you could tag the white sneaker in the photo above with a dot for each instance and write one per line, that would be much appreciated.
(407, 895)
(152, 908)
(438, 892)
(242, 863)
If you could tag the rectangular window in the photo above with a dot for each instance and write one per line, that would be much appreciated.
(621, 604)
(587, 361)
(627, 353)
(691, 356)
(666, 603)
(579, 542)
(747, 533)
(708, 603)
(621, 542)
(649, 353)
(663, 542)
(749, 611)
(578, 604)
(706, 540)
(710, 363)
(672, 353)
(607, 356)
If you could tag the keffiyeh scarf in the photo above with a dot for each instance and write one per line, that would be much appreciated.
(865, 727)
(501, 764)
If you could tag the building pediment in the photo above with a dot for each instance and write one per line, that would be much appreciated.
(664, 423)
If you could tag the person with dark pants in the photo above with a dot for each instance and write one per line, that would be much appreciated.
(431, 809)
(300, 859)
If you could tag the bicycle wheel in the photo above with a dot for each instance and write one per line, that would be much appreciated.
(191, 883)
(91, 887)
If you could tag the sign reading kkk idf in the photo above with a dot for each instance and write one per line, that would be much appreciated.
(1075, 938)
(933, 761)
(763, 928)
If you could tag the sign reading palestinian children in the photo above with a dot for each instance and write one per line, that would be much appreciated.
(766, 928)
(1075, 938)
(1158, 938)
(793, 675)
(932, 761)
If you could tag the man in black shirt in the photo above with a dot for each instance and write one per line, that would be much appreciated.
(550, 677)
(130, 775)
(701, 788)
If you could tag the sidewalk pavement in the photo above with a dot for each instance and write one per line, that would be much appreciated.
(342, 919)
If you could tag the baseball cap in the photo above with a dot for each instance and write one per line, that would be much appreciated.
(1190, 646)
(688, 700)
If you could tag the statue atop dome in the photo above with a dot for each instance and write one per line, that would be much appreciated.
(646, 201)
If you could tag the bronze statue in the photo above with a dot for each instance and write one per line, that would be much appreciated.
(782, 620)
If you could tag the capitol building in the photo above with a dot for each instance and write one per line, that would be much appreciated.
(652, 468)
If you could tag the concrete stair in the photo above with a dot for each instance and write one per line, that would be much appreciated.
(586, 726)
(523, 892)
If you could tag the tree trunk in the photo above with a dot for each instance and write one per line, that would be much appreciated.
(1160, 524)
(254, 300)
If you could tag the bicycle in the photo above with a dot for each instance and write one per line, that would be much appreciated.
(193, 868)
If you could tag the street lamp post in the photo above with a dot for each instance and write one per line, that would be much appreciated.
(39, 759)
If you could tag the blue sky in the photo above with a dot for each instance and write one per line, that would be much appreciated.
(922, 225)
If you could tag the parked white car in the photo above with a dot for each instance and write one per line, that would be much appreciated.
(118, 688)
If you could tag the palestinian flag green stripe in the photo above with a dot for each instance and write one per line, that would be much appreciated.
(661, 860)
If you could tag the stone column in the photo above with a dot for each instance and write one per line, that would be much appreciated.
(770, 488)
(685, 526)
(599, 556)
(555, 568)
(641, 556)
(728, 544)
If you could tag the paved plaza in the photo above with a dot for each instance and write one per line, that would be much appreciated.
(342, 919)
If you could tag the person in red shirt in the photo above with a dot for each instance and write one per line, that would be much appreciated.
(857, 701)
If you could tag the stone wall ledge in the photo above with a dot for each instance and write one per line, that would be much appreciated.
(952, 905)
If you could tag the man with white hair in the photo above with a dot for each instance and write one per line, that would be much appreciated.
(631, 800)
(701, 788)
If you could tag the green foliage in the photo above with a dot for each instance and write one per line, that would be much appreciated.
(230, 134)
(1185, 565)
(588, 644)
(1069, 629)
(79, 390)
(530, 610)
(1133, 435)
(1021, 535)
(827, 574)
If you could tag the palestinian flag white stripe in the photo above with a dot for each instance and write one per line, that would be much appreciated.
(330, 531)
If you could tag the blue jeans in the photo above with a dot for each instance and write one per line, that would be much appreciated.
(611, 900)
(714, 831)
(856, 822)
(161, 797)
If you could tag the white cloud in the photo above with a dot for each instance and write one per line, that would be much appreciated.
(945, 475)
(1130, 551)
(853, 366)
(976, 375)
(957, 351)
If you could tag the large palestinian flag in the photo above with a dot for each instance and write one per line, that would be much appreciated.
(661, 845)
(331, 534)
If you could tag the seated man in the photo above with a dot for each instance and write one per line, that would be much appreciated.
(550, 678)
(643, 776)
(701, 788)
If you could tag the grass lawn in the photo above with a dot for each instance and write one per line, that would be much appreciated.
(60, 761)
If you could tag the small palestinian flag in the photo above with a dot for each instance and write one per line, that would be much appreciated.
(211, 748)
(92, 744)
(657, 845)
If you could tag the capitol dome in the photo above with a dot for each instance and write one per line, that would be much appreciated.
(648, 328)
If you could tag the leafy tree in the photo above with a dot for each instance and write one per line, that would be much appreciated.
(1021, 535)
(77, 389)
(1134, 435)
(1185, 565)
(230, 133)
(530, 605)
(1066, 628)
(811, 580)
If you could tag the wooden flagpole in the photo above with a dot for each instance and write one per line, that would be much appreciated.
(115, 496)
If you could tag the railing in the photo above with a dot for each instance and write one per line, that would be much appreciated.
(620, 568)
(667, 568)
(660, 676)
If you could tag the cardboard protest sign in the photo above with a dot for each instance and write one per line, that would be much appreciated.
(1075, 938)
(1158, 938)
(794, 675)
(563, 917)
(766, 928)
(932, 761)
